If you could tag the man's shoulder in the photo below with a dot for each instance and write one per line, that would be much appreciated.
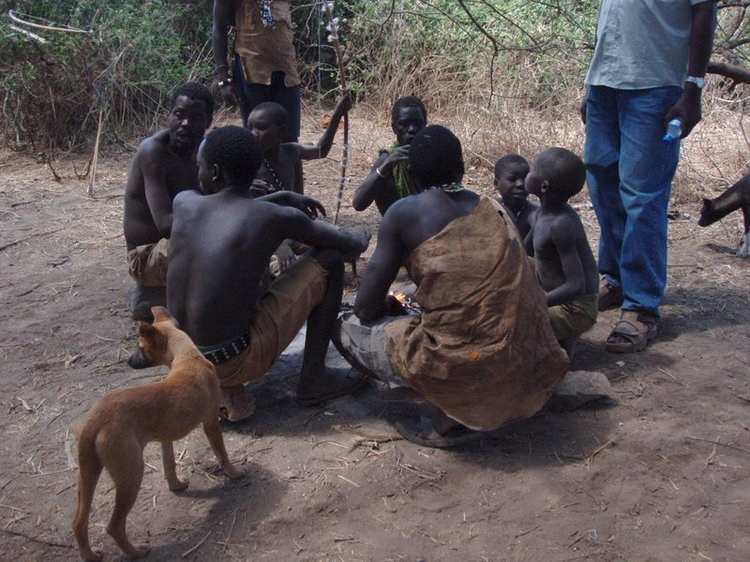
(154, 145)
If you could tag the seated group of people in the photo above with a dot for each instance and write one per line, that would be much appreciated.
(490, 343)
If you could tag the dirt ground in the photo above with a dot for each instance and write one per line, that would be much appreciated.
(661, 472)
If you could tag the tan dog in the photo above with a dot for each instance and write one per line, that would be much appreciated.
(120, 424)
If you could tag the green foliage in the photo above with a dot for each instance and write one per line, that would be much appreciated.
(487, 54)
(137, 53)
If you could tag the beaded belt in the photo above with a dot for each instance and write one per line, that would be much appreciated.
(232, 349)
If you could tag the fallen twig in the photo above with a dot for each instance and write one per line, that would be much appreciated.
(196, 547)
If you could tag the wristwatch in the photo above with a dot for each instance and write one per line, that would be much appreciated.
(699, 81)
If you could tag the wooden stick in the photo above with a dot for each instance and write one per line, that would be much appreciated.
(95, 158)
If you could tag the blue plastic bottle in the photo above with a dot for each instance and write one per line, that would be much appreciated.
(674, 130)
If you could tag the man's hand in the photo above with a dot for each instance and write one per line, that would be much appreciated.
(358, 244)
(582, 110)
(687, 108)
(307, 205)
(228, 94)
(401, 154)
(285, 255)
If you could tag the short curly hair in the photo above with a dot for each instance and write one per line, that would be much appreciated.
(275, 111)
(408, 101)
(195, 91)
(562, 169)
(435, 157)
(236, 152)
(508, 160)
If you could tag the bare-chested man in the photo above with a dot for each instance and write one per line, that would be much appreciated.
(389, 179)
(164, 165)
(482, 351)
(221, 243)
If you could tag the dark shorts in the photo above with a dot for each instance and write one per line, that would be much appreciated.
(255, 94)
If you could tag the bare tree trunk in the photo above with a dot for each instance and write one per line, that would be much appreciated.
(736, 73)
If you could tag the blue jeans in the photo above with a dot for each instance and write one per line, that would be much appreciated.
(629, 174)
(255, 94)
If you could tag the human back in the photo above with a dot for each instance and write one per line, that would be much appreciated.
(220, 249)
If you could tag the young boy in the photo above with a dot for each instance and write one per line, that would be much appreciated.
(510, 174)
(564, 262)
(281, 168)
(389, 179)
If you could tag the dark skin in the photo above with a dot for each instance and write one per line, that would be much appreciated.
(220, 246)
(223, 12)
(513, 196)
(164, 165)
(564, 262)
(380, 187)
(285, 157)
(688, 106)
(406, 225)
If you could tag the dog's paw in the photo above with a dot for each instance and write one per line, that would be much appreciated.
(93, 556)
(236, 473)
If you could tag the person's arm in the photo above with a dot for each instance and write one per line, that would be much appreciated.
(223, 19)
(564, 237)
(155, 188)
(688, 107)
(311, 207)
(321, 150)
(382, 269)
(298, 226)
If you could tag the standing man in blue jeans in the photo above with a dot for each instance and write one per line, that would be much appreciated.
(648, 68)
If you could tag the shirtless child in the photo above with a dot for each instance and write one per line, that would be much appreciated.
(389, 179)
(281, 165)
(510, 174)
(564, 262)
(164, 165)
(221, 243)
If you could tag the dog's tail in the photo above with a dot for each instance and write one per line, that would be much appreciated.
(89, 471)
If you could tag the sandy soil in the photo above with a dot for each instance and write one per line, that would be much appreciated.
(662, 472)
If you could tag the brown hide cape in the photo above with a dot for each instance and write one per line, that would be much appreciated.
(482, 350)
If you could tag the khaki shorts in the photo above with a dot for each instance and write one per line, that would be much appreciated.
(279, 315)
(365, 343)
(147, 264)
(572, 319)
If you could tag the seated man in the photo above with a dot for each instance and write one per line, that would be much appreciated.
(510, 174)
(389, 179)
(482, 352)
(164, 165)
(221, 243)
(563, 258)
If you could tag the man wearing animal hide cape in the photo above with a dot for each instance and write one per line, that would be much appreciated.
(482, 352)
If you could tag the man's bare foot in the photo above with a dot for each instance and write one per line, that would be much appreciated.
(314, 389)
(237, 404)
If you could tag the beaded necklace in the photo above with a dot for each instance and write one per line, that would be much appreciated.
(276, 179)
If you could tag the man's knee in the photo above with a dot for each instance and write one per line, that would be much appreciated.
(329, 259)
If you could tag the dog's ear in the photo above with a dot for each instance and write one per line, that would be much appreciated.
(146, 330)
(160, 314)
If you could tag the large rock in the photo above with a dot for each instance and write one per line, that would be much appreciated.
(578, 388)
